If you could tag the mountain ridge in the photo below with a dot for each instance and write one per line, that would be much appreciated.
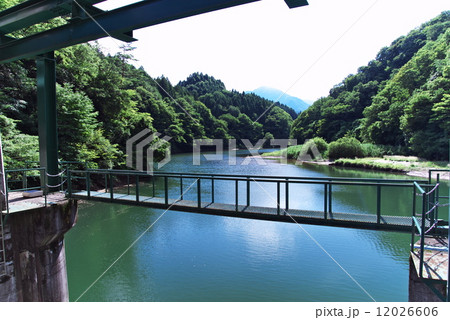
(277, 95)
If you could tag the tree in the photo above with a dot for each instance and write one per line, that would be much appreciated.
(278, 122)
(79, 131)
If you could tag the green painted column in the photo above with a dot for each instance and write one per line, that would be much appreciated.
(47, 124)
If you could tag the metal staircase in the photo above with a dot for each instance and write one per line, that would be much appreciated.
(431, 253)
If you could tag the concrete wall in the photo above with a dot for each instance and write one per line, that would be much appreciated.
(35, 253)
(419, 291)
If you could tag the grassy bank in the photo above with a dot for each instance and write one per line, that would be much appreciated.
(392, 163)
(291, 152)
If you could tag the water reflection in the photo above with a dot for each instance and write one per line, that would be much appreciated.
(193, 257)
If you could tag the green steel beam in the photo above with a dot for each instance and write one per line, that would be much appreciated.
(32, 12)
(116, 22)
(296, 3)
(5, 39)
(37, 11)
(47, 124)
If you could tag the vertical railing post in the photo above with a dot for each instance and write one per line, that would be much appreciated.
(199, 193)
(24, 180)
(212, 189)
(414, 201)
(88, 183)
(378, 204)
(422, 235)
(236, 188)
(137, 188)
(248, 191)
(153, 185)
(278, 197)
(413, 232)
(106, 183)
(111, 186)
(7, 191)
(325, 201)
(287, 196)
(166, 190)
(69, 183)
(181, 187)
(61, 179)
(46, 183)
(330, 197)
(436, 198)
(128, 184)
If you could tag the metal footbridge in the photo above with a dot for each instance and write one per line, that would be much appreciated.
(269, 198)
(360, 203)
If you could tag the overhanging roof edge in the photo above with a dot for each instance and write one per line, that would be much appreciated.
(115, 22)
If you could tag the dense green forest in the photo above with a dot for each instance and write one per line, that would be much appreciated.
(400, 101)
(103, 100)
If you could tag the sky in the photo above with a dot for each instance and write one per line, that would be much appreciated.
(303, 51)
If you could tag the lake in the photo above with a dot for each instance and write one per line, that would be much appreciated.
(194, 257)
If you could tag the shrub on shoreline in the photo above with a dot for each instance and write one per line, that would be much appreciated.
(345, 148)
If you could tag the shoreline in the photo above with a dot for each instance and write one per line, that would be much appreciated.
(421, 172)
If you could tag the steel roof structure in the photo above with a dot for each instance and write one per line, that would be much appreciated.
(83, 22)
(86, 22)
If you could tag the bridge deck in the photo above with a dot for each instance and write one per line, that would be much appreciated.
(349, 220)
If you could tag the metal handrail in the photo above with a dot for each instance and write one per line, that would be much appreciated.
(43, 183)
(160, 173)
(430, 213)
(430, 173)
(63, 166)
(416, 185)
(304, 180)
(326, 182)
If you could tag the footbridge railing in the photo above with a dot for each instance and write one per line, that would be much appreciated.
(140, 188)
(430, 226)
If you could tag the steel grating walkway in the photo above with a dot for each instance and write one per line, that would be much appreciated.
(348, 220)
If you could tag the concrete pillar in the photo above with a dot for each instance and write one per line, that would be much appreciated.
(37, 255)
(419, 291)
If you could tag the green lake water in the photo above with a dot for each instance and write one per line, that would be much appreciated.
(194, 257)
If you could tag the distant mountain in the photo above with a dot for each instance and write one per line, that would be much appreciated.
(274, 94)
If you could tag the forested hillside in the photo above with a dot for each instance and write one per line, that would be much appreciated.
(400, 100)
(103, 100)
